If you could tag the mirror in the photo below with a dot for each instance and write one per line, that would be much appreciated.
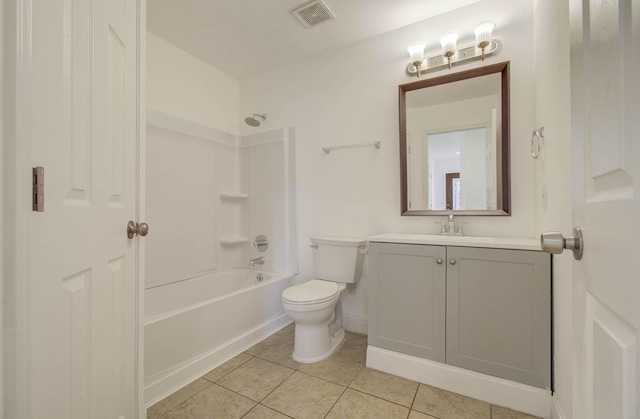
(454, 143)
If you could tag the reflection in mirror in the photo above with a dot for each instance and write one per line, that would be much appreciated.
(454, 156)
(456, 178)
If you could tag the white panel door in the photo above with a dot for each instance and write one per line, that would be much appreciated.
(82, 301)
(605, 60)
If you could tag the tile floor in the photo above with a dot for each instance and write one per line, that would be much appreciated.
(264, 382)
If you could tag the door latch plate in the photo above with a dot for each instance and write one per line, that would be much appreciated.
(38, 189)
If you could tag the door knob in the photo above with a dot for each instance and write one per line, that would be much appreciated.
(134, 228)
(555, 242)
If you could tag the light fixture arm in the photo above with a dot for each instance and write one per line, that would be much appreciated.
(470, 52)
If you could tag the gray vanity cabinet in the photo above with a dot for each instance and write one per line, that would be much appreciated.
(407, 299)
(499, 313)
(492, 307)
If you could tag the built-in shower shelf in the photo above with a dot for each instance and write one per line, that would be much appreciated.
(233, 195)
(228, 241)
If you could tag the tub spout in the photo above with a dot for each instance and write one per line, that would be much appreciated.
(256, 261)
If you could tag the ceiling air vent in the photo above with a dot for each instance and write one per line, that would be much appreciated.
(312, 14)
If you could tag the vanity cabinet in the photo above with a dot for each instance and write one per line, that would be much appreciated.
(482, 309)
(407, 299)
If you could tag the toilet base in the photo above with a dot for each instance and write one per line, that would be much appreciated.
(333, 342)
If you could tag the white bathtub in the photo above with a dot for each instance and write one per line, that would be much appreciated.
(195, 325)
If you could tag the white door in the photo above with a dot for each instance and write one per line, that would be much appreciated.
(605, 63)
(81, 345)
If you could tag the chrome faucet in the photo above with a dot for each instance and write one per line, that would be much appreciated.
(449, 228)
(256, 261)
(452, 226)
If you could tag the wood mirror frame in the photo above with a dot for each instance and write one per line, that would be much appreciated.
(503, 204)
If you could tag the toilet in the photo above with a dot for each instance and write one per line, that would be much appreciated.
(314, 305)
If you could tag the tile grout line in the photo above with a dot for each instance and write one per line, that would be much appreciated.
(276, 387)
(414, 397)
(383, 399)
(230, 371)
(343, 391)
(210, 384)
(188, 398)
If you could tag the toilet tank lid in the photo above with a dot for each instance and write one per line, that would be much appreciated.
(339, 241)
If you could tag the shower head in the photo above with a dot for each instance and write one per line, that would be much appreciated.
(254, 120)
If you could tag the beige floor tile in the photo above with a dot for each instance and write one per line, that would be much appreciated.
(354, 344)
(354, 405)
(446, 405)
(256, 378)
(417, 415)
(212, 402)
(169, 402)
(287, 331)
(385, 386)
(498, 412)
(303, 396)
(263, 412)
(266, 343)
(281, 354)
(227, 367)
(339, 368)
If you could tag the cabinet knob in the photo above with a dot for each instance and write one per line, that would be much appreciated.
(452, 261)
(439, 261)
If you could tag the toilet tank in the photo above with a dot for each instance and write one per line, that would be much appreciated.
(338, 259)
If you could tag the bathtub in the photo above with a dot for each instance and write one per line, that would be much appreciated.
(195, 325)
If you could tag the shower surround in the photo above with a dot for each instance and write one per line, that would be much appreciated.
(208, 195)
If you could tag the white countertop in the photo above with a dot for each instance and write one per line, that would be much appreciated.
(464, 241)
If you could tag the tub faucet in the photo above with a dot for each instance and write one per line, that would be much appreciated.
(256, 261)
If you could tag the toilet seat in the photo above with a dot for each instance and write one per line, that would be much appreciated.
(312, 292)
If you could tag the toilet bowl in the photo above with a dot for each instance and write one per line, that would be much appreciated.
(314, 306)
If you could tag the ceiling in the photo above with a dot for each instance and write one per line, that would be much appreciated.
(246, 37)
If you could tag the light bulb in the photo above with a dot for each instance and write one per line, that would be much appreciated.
(416, 51)
(448, 41)
(483, 32)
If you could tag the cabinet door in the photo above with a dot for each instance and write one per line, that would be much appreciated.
(407, 299)
(499, 314)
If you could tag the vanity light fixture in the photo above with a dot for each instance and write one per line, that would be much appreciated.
(483, 47)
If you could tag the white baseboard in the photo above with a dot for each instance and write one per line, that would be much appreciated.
(498, 391)
(160, 385)
(556, 410)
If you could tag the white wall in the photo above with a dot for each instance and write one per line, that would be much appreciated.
(553, 170)
(181, 85)
(268, 176)
(181, 201)
(192, 157)
(473, 171)
(351, 96)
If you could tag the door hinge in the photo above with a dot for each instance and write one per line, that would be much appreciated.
(38, 189)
